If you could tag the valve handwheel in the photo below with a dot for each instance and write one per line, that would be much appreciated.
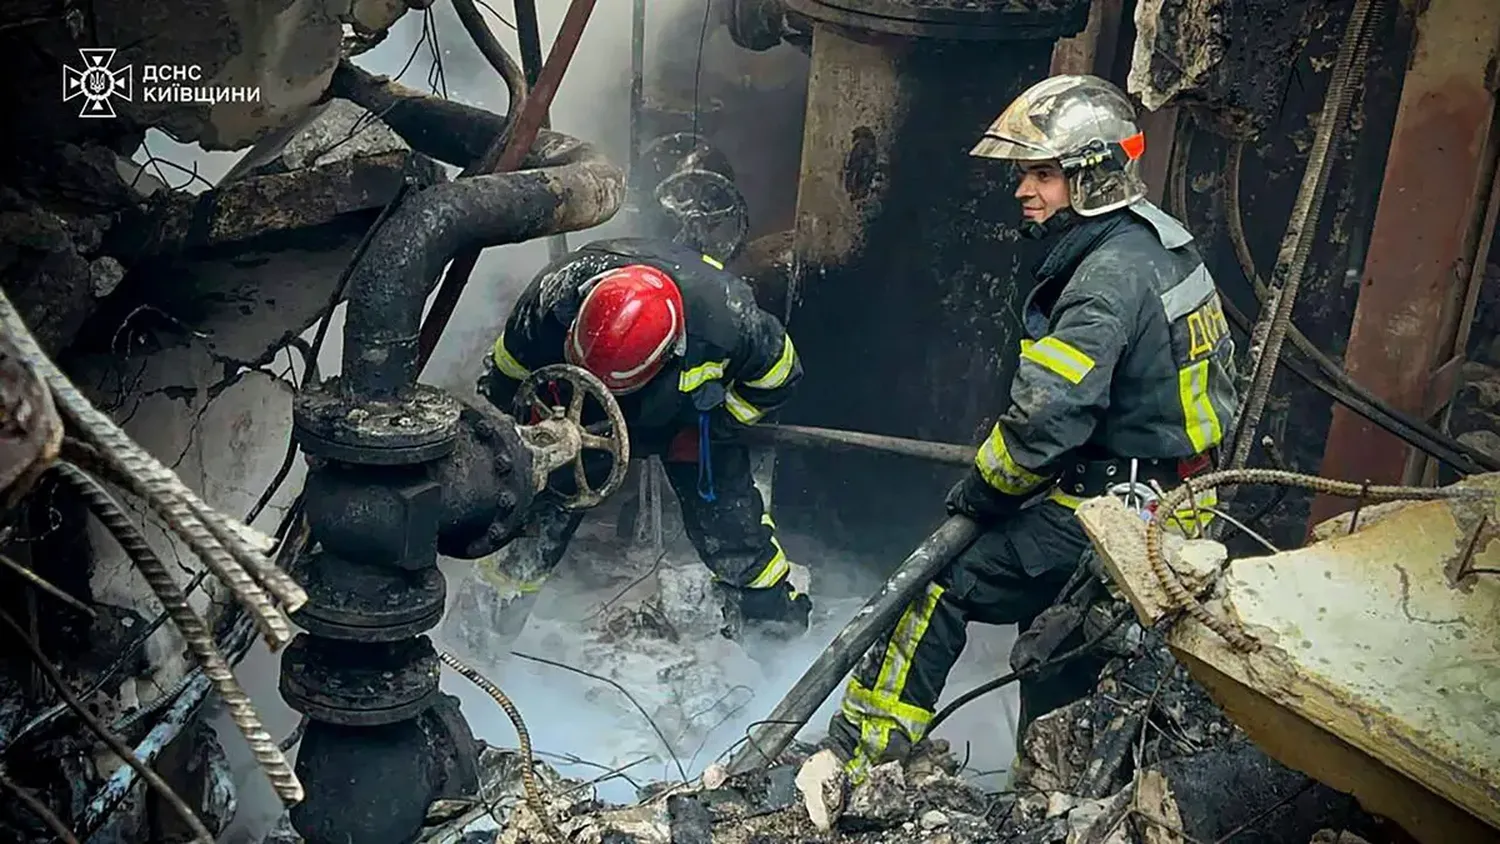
(709, 211)
(608, 435)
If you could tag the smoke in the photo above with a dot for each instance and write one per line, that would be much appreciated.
(702, 693)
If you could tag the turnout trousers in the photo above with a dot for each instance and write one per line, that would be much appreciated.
(724, 517)
(1011, 573)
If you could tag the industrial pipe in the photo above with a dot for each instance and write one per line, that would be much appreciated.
(505, 154)
(570, 187)
(899, 232)
(401, 471)
(877, 616)
(566, 186)
(807, 436)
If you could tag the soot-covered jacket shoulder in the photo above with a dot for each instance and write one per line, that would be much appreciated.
(738, 355)
(1063, 382)
(734, 348)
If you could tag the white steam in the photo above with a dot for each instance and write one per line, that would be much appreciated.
(702, 691)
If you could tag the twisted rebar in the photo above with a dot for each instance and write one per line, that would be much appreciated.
(195, 632)
(523, 738)
(206, 532)
(1184, 600)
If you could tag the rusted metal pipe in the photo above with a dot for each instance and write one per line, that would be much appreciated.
(504, 156)
(948, 454)
(837, 660)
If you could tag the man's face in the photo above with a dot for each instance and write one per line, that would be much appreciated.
(1042, 190)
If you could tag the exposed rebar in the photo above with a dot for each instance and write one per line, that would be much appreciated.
(153, 482)
(1296, 244)
(195, 633)
(523, 738)
(1184, 600)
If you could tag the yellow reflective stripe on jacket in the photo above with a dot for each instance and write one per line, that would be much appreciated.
(506, 362)
(692, 379)
(1000, 470)
(774, 571)
(490, 572)
(779, 371)
(1204, 430)
(1058, 357)
(740, 409)
(713, 262)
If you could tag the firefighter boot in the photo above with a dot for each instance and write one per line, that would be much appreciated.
(779, 612)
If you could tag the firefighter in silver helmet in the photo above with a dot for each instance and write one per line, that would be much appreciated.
(1125, 385)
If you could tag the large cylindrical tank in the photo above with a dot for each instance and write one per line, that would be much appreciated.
(908, 267)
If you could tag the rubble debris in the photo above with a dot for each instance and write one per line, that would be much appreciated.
(1377, 649)
(824, 788)
(880, 802)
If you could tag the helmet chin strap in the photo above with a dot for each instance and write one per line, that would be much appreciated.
(1060, 221)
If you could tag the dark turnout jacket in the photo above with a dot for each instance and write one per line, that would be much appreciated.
(737, 356)
(1127, 355)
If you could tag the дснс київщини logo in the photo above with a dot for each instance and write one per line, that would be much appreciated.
(96, 82)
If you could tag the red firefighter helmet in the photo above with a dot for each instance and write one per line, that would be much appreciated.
(629, 324)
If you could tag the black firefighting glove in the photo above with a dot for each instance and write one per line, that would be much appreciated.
(778, 612)
(497, 388)
(974, 497)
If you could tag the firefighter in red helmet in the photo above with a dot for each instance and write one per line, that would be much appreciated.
(692, 360)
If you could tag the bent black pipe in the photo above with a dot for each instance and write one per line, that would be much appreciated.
(565, 185)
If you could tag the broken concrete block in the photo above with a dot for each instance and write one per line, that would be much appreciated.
(945, 792)
(880, 802)
(689, 600)
(1119, 536)
(714, 776)
(1368, 515)
(933, 819)
(823, 785)
(690, 821)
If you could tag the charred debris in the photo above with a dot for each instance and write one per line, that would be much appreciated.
(151, 313)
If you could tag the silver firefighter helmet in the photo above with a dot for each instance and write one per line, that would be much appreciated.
(1085, 124)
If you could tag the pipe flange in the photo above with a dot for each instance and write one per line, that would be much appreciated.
(955, 20)
(359, 685)
(354, 602)
(419, 427)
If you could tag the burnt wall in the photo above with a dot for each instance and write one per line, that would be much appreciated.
(908, 277)
(1268, 176)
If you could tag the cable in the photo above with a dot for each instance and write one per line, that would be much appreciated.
(1006, 679)
(523, 738)
(46, 586)
(54, 677)
(38, 808)
(1181, 599)
(1423, 437)
(708, 6)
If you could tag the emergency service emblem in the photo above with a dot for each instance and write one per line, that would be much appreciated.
(96, 82)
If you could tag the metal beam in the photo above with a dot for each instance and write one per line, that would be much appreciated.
(1416, 274)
